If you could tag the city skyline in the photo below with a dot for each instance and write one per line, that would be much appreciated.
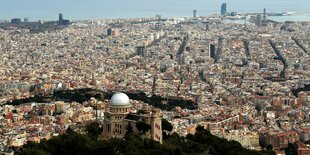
(35, 10)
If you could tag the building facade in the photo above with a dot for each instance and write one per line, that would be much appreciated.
(301, 148)
(279, 140)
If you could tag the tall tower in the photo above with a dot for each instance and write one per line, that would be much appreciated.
(155, 122)
(265, 15)
(109, 32)
(258, 20)
(223, 9)
(212, 51)
(141, 51)
(194, 13)
(207, 27)
(60, 17)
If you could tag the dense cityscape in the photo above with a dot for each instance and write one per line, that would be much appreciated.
(243, 82)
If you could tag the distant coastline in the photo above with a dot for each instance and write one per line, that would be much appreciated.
(35, 10)
(278, 17)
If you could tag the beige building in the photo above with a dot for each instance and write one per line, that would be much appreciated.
(248, 140)
(119, 115)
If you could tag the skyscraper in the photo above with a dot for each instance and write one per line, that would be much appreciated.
(16, 21)
(62, 21)
(141, 51)
(207, 27)
(60, 17)
(109, 32)
(258, 21)
(212, 51)
(223, 9)
(194, 13)
(264, 17)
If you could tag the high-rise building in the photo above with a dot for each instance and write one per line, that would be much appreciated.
(16, 20)
(113, 32)
(207, 27)
(158, 17)
(62, 21)
(265, 15)
(264, 21)
(194, 13)
(234, 13)
(109, 32)
(212, 51)
(258, 21)
(223, 9)
(181, 59)
(60, 17)
(141, 51)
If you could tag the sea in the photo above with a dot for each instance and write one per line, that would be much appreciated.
(107, 9)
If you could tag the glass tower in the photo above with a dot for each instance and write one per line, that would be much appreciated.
(223, 9)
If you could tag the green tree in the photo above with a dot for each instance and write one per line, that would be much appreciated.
(166, 125)
(200, 128)
(141, 111)
(290, 150)
(202, 143)
(177, 151)
(93, 129)
(269, 147)
(143, 127)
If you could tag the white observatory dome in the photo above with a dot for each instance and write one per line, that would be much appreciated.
(120, 99)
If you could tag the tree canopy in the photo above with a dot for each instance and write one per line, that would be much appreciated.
(93, 129)
(202, 142)
(85, 94)
(166, 125)
(143, 127)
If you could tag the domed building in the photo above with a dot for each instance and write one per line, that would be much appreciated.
(120, 102)
(119, 115)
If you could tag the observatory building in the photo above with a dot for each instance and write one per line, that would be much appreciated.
(119, 116)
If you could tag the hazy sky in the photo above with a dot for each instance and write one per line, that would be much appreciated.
(84, 9)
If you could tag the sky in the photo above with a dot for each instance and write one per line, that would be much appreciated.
(93, 9)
